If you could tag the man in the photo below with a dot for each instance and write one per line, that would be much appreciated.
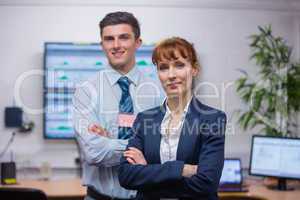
(111, 100)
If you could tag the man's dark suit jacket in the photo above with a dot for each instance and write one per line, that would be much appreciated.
(201, 143)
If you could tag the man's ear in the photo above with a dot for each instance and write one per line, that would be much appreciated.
(139, 42)
(101, 43)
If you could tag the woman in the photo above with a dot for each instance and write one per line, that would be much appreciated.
(178, 148)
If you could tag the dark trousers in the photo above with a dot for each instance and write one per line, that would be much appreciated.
(97, 196)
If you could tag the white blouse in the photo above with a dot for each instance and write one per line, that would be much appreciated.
(170, 137)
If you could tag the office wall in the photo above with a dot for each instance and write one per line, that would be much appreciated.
(218, 30)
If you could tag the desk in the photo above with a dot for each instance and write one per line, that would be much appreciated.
(256, 188)
(72, 189)
(55, 189)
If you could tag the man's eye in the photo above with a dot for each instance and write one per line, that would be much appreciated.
(124, 37)
(108, 38)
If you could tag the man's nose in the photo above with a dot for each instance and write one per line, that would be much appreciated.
(116, 43)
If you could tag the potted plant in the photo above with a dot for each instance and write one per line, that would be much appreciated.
(273, 96)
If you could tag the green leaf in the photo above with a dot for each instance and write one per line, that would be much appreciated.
(257, 100)
(240, 83)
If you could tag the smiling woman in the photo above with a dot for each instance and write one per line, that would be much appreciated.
(177, 66)
(178, 148)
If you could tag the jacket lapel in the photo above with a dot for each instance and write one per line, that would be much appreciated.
(156, 137)
(189, 133)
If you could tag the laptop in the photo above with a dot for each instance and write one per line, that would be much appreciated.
(232, 178)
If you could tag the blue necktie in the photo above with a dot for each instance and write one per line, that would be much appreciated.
(125, 106)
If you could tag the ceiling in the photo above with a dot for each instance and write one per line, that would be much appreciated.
(284, 5)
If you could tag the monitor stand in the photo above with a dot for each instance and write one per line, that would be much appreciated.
(281, 186)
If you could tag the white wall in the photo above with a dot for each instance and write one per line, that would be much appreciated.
(218, 30)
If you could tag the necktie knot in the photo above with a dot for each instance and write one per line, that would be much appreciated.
(124, 83)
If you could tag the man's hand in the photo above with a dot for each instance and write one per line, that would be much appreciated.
(96, 129)
(135, 156)
(189, 170)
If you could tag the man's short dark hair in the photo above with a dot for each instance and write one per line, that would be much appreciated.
(116, 18)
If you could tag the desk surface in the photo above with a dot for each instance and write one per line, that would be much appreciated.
(73, 188)
(54, 188)
(257, 188)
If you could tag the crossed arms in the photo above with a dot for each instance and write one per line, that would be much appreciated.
(203, 179)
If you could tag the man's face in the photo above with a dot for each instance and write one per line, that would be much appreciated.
(119, 44)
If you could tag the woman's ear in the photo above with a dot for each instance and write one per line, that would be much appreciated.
(195, 71)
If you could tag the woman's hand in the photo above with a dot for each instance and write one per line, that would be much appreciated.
(189, 170)
(135, 156)
(96, 129)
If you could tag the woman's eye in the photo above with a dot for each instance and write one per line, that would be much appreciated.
(179, 65)
(163, 67)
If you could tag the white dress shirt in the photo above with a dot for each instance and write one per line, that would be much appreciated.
(97, 102)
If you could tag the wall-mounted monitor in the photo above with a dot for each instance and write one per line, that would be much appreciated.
(68, 64)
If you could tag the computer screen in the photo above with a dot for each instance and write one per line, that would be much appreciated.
(68, 64)
(231, 173)
(275, 157)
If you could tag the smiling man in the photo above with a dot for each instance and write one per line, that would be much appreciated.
(110, 100)
(120, 43)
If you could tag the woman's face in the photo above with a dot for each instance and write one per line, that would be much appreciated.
(176, 76)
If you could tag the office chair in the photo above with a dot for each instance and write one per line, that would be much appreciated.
(241, 197)
(22, 194)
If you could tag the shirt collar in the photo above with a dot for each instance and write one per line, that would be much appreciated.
(167, 117)
(168, 111)
(113, 75)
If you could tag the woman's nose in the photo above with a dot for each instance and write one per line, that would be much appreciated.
(171, 73)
